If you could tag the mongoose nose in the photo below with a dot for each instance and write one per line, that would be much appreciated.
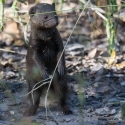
(45, 17)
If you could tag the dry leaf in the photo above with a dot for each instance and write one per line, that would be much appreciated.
(92, 53)
(111, 60)
(120, 65)
(11, 27)
(18, 43)
(95, 34)
(3, 63)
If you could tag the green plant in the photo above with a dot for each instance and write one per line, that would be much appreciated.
(2, 2)
(16, 10)
(60, 4)
(110, 26)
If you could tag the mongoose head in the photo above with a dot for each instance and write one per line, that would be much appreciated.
(43, 15)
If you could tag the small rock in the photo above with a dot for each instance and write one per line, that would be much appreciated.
(118, 75)
(74, 46)
(7, 56)
(10, 74)
(67, 120)
(95, 85)
(96, 67)
(106, 109)
(92, 61)
(122, 83)
(113, 111)
(103, 89)
(83, 61)
(108, 75)
(12, 112)
(114, 68)
(86, 65)
(112, 100)
(100, 111)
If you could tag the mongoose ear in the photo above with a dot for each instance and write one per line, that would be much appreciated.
(53, 5)
(32, 11)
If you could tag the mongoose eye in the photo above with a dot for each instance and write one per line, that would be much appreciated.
(45, 17)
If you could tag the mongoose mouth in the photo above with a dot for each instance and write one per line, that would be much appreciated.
(52, 22)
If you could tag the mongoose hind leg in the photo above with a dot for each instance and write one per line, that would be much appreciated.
(64, 93)
(62, 89)
(34, 103)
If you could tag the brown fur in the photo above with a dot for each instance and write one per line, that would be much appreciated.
(44, 50)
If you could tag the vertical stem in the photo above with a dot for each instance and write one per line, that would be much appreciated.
(60, 5)
(110, 26)
(2, 14)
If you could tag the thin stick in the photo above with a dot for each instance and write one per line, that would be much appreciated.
(12, 51)
(61, 56)
(37, 87)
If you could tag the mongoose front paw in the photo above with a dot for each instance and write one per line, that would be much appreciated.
(31, 111)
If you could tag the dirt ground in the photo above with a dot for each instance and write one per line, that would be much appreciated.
(97, 87)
